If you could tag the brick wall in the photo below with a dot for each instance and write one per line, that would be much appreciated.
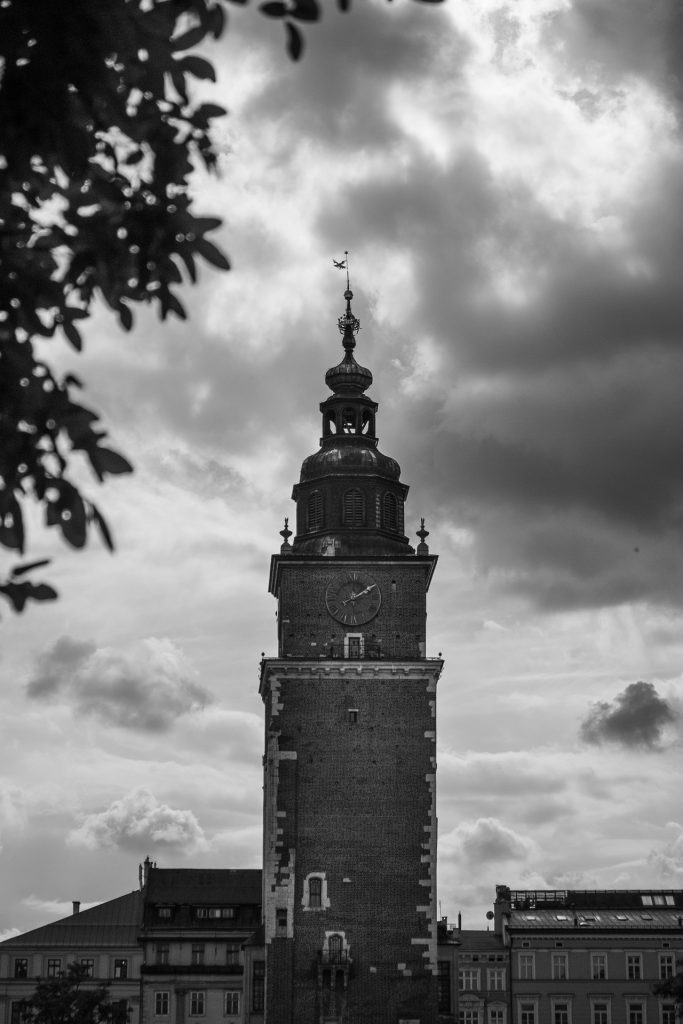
(306, 628)
(356, 803)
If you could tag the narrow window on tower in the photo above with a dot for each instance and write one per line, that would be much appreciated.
(314, 896)
(368, 423)
(390, 516)
(315, 893)
(314, 519)
(353, 508)
(353, 715)
(281, 921)
(330, 423)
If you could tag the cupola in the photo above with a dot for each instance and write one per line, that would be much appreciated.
(349, 497)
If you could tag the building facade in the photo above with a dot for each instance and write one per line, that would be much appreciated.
(349, 859)
(589, 956)
(103, 939)
(194, 928)
(474, 977)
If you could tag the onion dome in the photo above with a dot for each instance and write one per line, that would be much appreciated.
(350, 499)
(348, 376)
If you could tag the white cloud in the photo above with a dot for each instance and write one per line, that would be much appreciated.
(486, 841)
(138, 822)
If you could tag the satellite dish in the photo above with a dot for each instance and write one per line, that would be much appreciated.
(489, 915)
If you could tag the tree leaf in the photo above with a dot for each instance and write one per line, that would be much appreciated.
(74, 527)
(20, 570)
(189, 38)
(101, 522)
(211, 253)
(197, 66)
(209, 110)
(108, 461)
(274, 9)
(73, 334)
(125, 316)
(305, 10)
(295, 41)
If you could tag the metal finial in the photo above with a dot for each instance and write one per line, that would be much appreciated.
(348, 324)
(422, 548)
(285, 534)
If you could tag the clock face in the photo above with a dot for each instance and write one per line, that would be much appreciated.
(353, 598)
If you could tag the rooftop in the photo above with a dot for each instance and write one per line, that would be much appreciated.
(114, 923)
(204, 886)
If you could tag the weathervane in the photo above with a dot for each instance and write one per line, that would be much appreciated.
(348, 324)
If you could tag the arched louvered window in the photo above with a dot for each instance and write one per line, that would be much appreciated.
(390, 511)
(315, 511)
(353, 511)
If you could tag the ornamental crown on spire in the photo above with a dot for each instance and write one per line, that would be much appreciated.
(348, 376)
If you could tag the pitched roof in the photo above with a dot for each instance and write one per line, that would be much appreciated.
(204, 885)
(114, 923)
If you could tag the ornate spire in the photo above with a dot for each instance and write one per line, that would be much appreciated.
(348, 376)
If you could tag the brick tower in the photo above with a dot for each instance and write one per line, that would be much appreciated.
(349, 866)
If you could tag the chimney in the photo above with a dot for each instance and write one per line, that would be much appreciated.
(76, 905)
(459, 922)
(144, 871)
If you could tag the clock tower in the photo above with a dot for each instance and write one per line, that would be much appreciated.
(349, 860)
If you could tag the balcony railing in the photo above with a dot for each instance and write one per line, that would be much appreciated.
(334, 956)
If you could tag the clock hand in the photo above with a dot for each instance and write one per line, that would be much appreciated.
(354, 597)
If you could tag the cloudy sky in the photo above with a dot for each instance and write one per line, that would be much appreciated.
(508, 177)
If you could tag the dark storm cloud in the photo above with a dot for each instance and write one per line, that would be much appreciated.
(549, 427)
(563, 406)
(146, 688)
(623, 38)
(635, 718)
(350, 61)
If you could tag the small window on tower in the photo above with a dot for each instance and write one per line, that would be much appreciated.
(390, 511)
(315, 511)
(368, 426)
(353, 715)
(353, 509)
(281, 921)
(315, 892)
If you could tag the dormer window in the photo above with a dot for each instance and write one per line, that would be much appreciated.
(353, 509)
